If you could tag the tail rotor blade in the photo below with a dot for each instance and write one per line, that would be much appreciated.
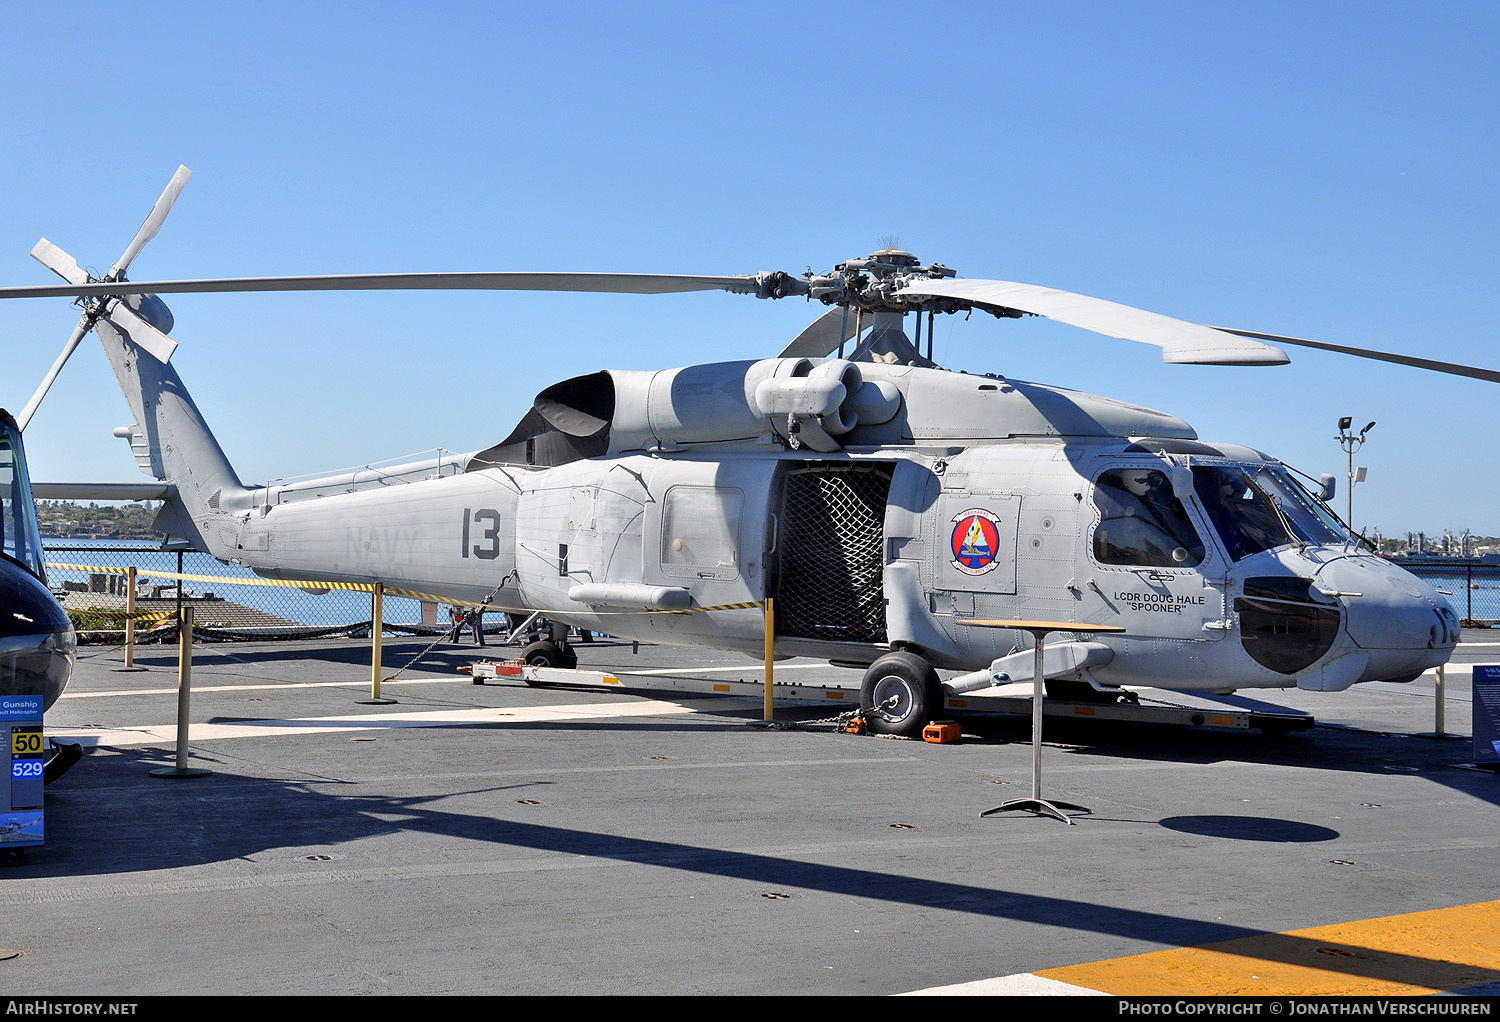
(79, 332)
(59, 262)
(153, 222)
(149, 339)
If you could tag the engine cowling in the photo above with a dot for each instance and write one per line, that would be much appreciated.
(807, 402)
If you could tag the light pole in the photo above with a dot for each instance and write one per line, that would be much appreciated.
(1352, 442)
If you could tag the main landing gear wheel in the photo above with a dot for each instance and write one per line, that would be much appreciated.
(900, 694)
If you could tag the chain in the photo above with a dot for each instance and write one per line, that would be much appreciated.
(488, 597)
(837, 723)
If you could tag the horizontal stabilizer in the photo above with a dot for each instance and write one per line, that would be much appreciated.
(102, 491)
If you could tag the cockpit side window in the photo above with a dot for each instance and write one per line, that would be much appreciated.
(20, 538)
(1141, 522)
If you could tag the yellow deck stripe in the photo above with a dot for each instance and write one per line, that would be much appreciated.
(1419, 953)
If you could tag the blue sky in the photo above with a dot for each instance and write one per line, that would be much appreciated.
(1317, 169)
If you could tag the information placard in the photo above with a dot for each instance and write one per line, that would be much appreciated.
(1486, 714)
(21, 810)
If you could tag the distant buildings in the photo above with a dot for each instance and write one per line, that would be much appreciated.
(64, 519)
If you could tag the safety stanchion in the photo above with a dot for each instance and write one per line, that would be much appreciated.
(184, 692)
(770, 657)
(377, 627)
(1438, 723)
(130, 664)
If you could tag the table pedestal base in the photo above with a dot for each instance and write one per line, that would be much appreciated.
(1039, 806)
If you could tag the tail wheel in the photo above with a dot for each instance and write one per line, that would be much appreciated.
(900, 695)
(545, 653)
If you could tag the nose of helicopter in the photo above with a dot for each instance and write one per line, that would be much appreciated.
(37, 642)
(1395, 618)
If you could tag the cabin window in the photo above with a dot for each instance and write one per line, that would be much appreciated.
(700, 532)
(1142, 523)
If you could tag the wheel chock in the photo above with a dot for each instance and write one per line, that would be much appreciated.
(941, 731)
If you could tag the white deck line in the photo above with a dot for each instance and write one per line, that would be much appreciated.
(1023, 984)
(159, 734)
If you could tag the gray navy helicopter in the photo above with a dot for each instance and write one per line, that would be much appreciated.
(37, 643)
(881, 500)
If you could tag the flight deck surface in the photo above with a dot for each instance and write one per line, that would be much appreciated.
(498, 839)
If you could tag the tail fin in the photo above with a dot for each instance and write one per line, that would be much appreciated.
(173, 443)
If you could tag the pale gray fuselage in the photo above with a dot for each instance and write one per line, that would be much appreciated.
(461, 536)
(878, 504)
(608, 520)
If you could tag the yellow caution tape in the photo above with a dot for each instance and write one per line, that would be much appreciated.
(686, 610)
(364, 587)
(358, 587)
(122, 616)
(722, 606)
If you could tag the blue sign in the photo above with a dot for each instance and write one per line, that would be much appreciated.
(21, 807)
(21, 708)
(1486, 714)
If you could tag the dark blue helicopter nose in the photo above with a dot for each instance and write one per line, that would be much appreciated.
(37, 643)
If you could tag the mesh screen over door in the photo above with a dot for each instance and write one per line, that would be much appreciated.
(832, 553)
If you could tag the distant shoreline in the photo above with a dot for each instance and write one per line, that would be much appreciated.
(144, 537)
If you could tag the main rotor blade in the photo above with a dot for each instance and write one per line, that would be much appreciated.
(153, 220)
(616, 283)
(825, 334)
(79, 332)
(59, 262)
(1180, 341)
(1452, 368)
(151, 340)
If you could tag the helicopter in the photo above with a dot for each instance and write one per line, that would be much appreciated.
(37, 641)
(880, 500)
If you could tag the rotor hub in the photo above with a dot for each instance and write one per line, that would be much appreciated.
(873, 283)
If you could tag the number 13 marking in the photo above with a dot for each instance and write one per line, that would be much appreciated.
(492, 534)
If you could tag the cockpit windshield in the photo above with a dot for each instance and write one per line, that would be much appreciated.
(22, 538)
(1261, 507)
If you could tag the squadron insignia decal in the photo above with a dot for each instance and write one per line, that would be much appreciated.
(975, 540)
